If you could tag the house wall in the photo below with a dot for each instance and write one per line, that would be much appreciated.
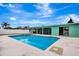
(74, 30)
(55, 30)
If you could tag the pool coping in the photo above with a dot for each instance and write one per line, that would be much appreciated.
(40, 48)
(47, 49)
(47, 52)
(42, 52)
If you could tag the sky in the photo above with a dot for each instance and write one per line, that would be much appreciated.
(38, 14)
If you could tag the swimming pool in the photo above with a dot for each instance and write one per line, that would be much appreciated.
(37, 41)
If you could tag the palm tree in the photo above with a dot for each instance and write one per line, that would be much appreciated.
(5, 25)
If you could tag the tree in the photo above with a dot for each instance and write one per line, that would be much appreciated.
(26, 27)
(5, 25)
(70, 21)
(19, 27)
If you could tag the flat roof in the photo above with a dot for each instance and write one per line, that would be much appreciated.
(57, 25)
(66, 24)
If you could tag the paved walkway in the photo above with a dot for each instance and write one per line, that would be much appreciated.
(12, 47)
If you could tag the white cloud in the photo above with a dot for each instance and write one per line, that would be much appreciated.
(44, 9)
(33, 22)
(62, 8)
(12, 7)
(2, 5)
(66, 18)
(63, 19)
(74, 17)
(12, 18)
(7, 5)
(15, 10)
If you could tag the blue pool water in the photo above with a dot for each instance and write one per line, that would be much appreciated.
(37, 41)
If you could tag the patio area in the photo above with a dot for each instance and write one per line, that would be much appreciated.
(12, 47)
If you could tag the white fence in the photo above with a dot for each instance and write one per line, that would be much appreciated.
(14, 32)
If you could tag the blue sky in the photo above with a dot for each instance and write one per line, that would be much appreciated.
(38, 14)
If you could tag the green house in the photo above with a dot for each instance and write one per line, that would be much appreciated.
(70, 29)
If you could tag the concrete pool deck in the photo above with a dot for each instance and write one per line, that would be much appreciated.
(12, 47)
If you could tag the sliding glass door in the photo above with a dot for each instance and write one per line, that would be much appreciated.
(64, 31)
